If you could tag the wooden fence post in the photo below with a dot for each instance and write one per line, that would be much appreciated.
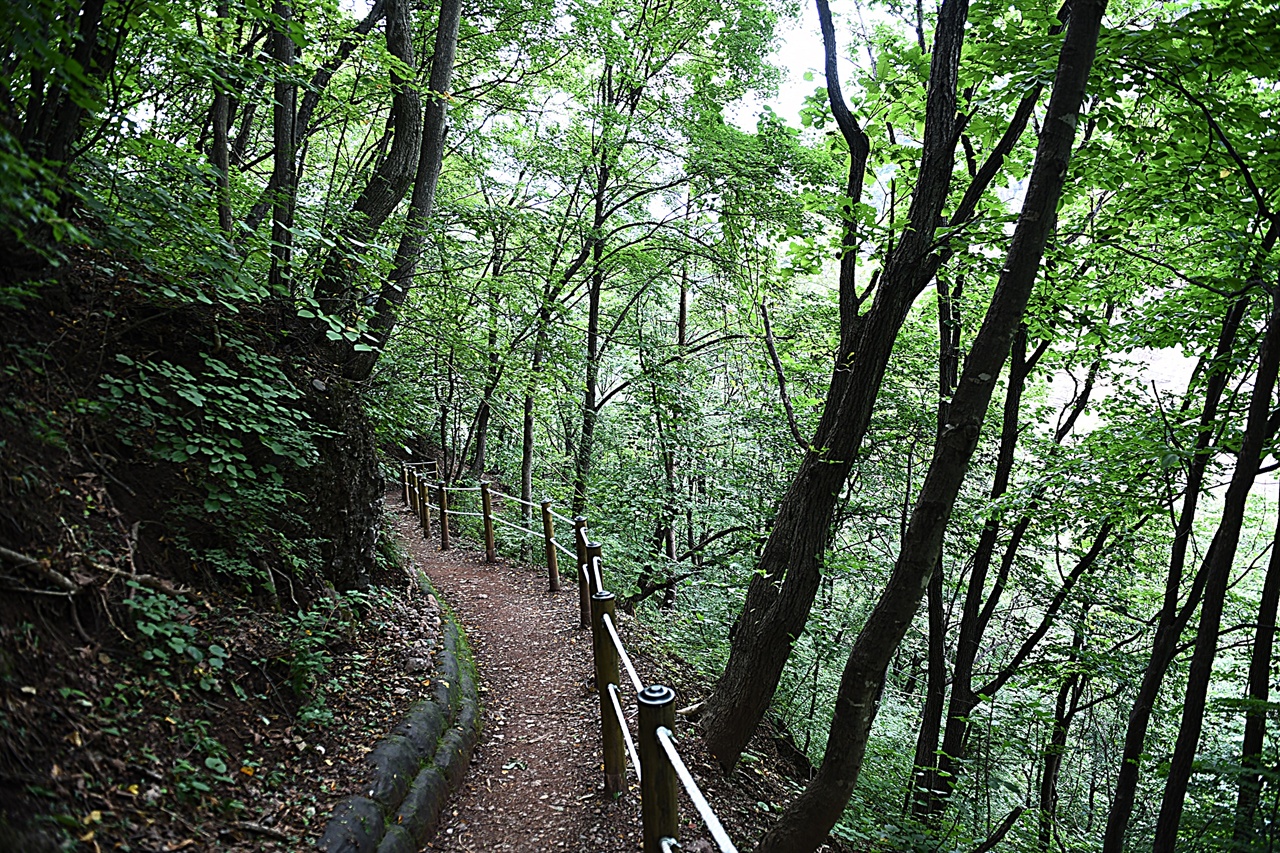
(549, 535)
(659, 812)
(584, 568)
(486, 505)
(404, 483)
(595, 567)
(444, 516)
(424, 506)
(606, 656)
(411, 489)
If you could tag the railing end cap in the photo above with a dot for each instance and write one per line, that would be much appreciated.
(657, 694)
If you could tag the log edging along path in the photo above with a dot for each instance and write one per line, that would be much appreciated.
(410, 774)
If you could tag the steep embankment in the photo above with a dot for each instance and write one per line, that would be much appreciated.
(184, 487)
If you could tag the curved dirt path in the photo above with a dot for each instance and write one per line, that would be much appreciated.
(535, 781)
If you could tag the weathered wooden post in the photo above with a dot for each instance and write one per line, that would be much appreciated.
(424, 506)
(584, 569)
(486, 505)
(606, 656)
(444, 516)
(659, 812)
(595, 567)
(404, 483)
(411, 489)
(549, 535)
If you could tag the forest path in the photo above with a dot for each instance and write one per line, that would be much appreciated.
(535, 781)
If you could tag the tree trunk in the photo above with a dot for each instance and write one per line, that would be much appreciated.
(284, 177)
(1171, 619)
(921, 794)
(590, 406)
(782, 590)
(926, 758)
(807, 820)
(1256, 433)
(220, 117)
(527, 433)
(1255, 720)
(977, 603)
(384, 191)
(1064, 711)
(430, 154)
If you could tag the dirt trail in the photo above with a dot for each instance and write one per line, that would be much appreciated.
(535, 781)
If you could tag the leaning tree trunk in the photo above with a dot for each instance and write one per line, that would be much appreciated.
(807, 820)
(427, 175)
(1257, 431)
(1172, 619)
(1255, 721)
(782, 590)
(386, 186)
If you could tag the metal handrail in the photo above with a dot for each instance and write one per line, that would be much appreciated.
(667, 740)
(514, 526)
(626, 731)
(522, 501)
(622, 654)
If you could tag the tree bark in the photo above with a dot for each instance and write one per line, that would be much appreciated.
(807, 820)
(430, 124)
(1255, 720)
(782, 590)
(220, 117)
(385, 189)
(1256, 433)
(1172, 620)
(1064, 711)
(284, 177)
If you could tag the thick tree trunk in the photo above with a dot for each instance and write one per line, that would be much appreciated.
(430, 126)
(805, 823)
(386, 187)
(284, 176)
(782, 590)
(1256, 433)
(1255, 720)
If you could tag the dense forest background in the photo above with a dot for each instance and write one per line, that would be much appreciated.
(938, 423)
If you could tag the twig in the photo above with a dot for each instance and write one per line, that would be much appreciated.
(1001, 830)
(259, 829)
(42, 568)
(782, 378)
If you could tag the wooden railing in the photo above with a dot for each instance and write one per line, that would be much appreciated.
(653, 754)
